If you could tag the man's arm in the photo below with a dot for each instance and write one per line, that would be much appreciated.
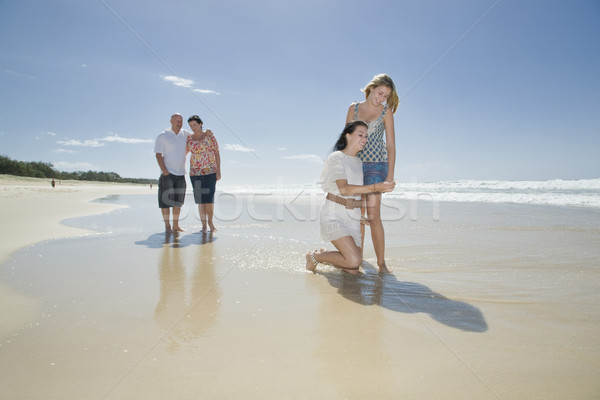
(161, 163)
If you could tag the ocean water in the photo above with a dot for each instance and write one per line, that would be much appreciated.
(558, 192)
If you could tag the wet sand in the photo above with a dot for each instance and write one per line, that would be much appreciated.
(487, 301)
(31, 210)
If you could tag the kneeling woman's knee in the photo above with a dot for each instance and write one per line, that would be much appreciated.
(354, 260)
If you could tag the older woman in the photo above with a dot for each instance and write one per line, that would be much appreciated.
(205, 170)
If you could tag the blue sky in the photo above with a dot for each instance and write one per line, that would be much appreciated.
(490, 90)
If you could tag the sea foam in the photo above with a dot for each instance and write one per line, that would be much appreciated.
(558, 192)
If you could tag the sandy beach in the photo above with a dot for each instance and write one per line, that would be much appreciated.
(487, 301)
(31, 209)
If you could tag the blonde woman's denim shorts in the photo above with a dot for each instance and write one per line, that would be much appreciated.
(374, 172)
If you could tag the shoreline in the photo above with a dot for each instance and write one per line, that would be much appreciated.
(32, 211)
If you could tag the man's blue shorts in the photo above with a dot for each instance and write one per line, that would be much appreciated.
(171, 191)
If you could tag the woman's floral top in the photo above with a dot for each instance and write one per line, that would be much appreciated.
(203, 159)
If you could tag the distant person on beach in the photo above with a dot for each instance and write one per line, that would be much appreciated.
(342, 180)
(378, 157)
(53, 183)
(170, 149)
(205, 170)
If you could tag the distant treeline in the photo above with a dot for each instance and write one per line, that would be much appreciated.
(46, 170)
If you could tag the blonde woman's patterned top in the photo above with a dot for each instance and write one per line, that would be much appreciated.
(203, 160)
(374, 150)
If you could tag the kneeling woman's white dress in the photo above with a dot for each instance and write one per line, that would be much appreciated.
(336, 220)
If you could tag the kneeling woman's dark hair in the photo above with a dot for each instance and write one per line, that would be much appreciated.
(349, 128)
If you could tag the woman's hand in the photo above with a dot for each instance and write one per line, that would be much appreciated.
(384, 187)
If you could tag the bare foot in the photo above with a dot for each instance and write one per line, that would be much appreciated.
(168, 228)
(383, 269)
(310, 265)
(177, 228)
(212, 228)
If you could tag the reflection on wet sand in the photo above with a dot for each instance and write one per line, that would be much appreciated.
(352, 349)
(188, 306)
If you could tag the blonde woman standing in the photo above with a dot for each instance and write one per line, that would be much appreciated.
(378, 156)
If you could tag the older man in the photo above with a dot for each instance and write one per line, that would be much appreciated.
(170, 154)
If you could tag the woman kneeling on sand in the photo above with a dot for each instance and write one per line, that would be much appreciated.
(342, 180)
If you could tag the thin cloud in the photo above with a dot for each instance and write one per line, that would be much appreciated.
(19, 74)
(64, 151)
(119, 139)
(238, 147)
(177, 81)
(51, 133)
(79, 143)
(206, 91)
(186, 83)
(102, 141)
(307, 157)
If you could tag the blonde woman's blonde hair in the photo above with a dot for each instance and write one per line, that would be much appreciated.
(384, 80)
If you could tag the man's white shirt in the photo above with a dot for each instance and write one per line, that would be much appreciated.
(172, 147)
